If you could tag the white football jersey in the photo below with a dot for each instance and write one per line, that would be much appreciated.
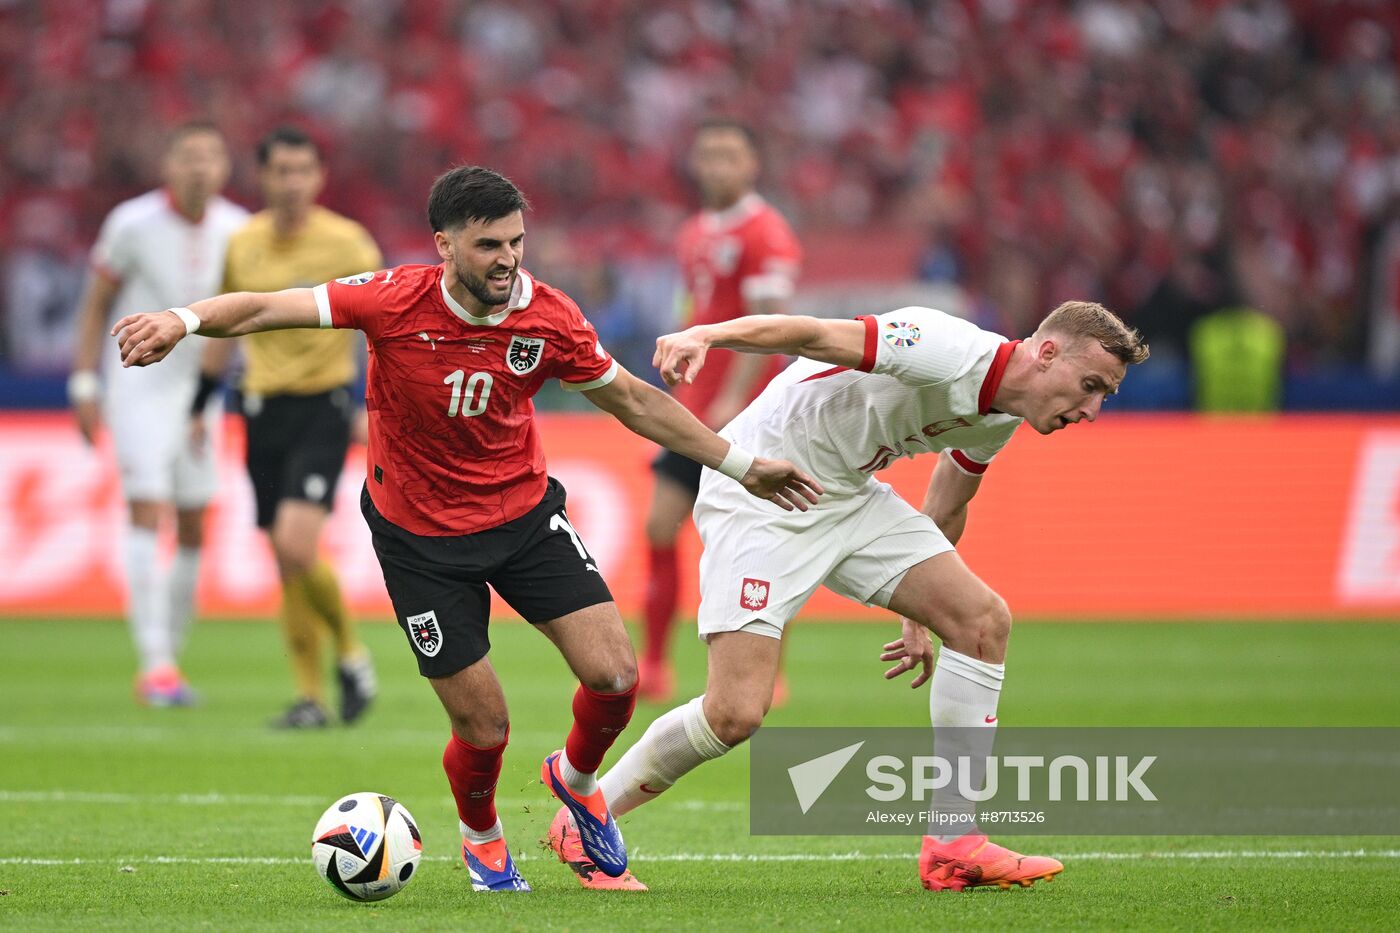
(163, 260)
(925, 384)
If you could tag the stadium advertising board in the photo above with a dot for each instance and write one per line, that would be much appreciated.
(1138, 516)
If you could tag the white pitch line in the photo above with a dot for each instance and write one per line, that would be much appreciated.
(755, 857)
(160, 735)
(206, 800)
(214, 799)
(1063, 856)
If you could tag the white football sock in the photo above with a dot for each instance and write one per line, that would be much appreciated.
(579, 782)
(184, 578)
(674, 744)
(963, 707)
(145, 608)
(478, 838)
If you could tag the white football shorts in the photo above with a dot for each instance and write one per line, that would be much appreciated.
(151, 436)
(761, 564)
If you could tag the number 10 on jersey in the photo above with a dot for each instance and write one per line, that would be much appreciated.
(469, 393)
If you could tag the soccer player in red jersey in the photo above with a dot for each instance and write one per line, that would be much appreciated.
(737, 256)
(457, 497)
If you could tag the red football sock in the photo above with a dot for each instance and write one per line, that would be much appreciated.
(473, 772)
(599, 719)
(662, 579)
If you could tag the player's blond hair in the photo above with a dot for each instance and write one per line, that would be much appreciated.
(1088, 320)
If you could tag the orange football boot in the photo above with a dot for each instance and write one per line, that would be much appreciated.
(564, 842)
(973, 861)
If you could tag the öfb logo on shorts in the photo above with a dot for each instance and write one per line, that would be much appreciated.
(425, 632)
(753, 594)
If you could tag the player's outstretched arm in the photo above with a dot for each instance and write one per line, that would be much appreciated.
(149, 337)
(680, 357)
(84, 386)
(646, 410)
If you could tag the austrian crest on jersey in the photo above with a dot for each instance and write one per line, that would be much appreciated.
(524, 354)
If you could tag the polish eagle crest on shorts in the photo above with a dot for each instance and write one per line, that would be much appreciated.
(524, 354)
(426, 634)
(753, 594)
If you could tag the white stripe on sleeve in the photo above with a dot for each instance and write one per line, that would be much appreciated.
(323, 304)
(598, 383)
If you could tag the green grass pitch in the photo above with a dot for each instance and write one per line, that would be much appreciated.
(114, 817)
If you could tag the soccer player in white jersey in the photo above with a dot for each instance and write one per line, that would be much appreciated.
(866, 393)
(162, 249)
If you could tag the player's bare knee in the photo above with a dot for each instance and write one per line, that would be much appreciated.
(993, 630)
(735, 723)
(293, 557)
(145, 514)
(190, 538)
(979, 630)
(481, 730)
(189, 527)
(618, 678)
(1000, 619)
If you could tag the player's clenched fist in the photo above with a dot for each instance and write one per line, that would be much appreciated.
(148, 337)
(781, 482)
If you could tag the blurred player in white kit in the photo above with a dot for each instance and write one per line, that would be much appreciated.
(162, 249)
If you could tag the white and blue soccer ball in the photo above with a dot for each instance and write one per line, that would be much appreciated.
(366, 846)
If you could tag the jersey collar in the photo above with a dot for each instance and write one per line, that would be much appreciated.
(520, 296)
(174, 208)
(733, 215)
(993, 379)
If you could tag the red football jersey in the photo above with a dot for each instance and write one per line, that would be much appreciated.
(744, 253)
(453, 447)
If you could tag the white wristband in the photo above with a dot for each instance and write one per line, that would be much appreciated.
(736, 462)
(84, 386)
(189, 317)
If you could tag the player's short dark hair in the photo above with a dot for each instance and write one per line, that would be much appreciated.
(733, 124)
(470, 192)
(191, 128)
(288, 136)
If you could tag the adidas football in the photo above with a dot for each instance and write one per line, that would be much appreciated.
(366, 846)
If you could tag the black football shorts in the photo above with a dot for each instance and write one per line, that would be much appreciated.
(438, 585)
(679, 469)
(296, 447)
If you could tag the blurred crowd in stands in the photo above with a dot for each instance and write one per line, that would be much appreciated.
(1169, 158)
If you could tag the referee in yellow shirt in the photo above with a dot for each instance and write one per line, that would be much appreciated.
(298, 410)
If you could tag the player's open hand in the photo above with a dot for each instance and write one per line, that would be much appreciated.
(781, 482)
(147, 338)
(680, 357)
(914, 648)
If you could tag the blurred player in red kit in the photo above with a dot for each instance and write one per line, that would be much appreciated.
(457, 497)
(737, 256)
